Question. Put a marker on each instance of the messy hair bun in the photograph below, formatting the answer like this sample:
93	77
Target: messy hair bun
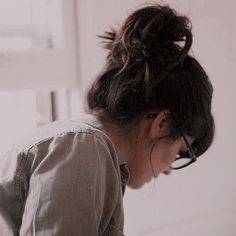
152	34
148	68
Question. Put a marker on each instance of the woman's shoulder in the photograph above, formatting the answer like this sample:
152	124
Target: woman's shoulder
65	129
81	142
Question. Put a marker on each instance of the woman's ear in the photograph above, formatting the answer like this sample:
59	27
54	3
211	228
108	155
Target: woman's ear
160	125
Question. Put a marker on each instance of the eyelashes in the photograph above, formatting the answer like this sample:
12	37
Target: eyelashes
183	154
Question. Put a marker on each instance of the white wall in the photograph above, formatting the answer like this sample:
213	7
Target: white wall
40	68
201	199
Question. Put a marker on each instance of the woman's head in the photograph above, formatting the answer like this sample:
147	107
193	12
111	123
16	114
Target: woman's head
148	70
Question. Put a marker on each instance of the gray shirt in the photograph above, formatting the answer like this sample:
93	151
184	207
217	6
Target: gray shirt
68	179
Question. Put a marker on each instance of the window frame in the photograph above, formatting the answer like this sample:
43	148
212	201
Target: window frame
44	69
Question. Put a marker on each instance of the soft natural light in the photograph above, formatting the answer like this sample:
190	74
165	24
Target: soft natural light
31	24
17	43
18	117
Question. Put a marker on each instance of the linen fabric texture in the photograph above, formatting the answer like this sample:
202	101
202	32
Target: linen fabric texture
68	179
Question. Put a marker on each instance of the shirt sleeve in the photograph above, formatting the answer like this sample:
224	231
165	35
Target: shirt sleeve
13	190
74	188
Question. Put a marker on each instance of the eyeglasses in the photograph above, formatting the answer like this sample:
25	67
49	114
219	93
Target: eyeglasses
186	158
183	159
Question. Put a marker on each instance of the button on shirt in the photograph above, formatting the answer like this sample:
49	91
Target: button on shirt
68	179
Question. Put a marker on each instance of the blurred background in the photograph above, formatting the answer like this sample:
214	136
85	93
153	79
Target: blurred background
50	53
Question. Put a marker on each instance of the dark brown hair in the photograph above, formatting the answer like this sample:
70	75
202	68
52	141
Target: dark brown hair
148	68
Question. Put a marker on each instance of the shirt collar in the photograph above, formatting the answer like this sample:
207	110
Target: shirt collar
122	163
123	168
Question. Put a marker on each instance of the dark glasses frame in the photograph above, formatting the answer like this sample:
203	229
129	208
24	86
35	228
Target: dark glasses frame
191	155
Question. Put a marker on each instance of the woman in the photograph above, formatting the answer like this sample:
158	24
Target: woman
151	112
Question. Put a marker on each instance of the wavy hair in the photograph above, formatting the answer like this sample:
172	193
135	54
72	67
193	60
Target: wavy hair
148	67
